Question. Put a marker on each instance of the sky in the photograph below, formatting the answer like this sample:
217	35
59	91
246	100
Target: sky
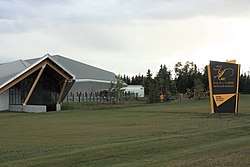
127	36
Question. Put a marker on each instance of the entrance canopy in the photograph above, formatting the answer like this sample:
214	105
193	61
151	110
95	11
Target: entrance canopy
44	82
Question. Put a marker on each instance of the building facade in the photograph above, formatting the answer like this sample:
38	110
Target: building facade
41	84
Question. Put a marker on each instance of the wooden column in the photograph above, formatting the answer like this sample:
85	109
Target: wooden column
62	90
34	85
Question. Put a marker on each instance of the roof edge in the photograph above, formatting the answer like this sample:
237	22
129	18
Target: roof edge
61	66
93	80
96	80
33	65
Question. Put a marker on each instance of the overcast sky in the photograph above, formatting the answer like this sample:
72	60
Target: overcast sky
127	36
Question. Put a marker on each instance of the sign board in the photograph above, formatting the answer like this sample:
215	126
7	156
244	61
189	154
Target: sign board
224	86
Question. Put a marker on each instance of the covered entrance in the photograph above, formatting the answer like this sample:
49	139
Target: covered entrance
46	84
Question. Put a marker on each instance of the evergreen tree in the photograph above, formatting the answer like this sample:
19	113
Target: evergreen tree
148	81
126	79
153	95
164	80
205	78
133	81
243	79
247	85
187	76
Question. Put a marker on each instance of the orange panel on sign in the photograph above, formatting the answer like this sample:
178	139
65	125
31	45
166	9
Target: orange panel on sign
221	98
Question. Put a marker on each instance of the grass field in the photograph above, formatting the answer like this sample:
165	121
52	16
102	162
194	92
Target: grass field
127	135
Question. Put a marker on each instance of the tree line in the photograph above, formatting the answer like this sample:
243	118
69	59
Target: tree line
185	78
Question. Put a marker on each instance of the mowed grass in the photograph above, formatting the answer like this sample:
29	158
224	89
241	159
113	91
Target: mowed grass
127	135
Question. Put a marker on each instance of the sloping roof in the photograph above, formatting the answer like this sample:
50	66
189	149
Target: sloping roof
81	70
84	71
32	61
11	71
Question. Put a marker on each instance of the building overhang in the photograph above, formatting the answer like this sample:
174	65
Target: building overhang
97	81
47	60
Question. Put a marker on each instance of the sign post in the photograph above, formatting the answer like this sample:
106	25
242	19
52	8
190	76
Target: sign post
224	86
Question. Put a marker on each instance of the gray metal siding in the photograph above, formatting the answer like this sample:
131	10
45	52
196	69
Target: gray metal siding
90	86
4	101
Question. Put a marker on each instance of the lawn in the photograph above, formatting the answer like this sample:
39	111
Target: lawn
127	135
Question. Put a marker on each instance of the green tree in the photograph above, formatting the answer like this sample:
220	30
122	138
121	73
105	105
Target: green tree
153	96
148	81
244	86
126	79
205	78
119	85
198	87
185	75
163	79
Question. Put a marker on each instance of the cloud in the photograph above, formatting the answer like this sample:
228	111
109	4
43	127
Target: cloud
21	16
161	9
119	34
18	15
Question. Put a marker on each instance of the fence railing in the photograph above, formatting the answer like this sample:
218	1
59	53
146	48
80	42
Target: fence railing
95	97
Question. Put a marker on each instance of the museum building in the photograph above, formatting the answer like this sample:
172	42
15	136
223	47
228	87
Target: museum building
41	84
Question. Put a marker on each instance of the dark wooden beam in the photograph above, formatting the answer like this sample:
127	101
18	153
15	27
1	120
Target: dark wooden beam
34	85
59	71
20	78
62	90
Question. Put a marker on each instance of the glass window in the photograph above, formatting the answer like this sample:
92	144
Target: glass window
47	90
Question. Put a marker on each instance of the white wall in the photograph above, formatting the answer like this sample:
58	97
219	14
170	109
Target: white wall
139	89
58	107
28	108
17	108
4	101
34	108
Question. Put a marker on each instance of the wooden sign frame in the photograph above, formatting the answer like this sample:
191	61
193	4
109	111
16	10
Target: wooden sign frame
224	86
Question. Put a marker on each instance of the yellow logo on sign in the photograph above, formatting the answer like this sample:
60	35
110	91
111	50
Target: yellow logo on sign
220	76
